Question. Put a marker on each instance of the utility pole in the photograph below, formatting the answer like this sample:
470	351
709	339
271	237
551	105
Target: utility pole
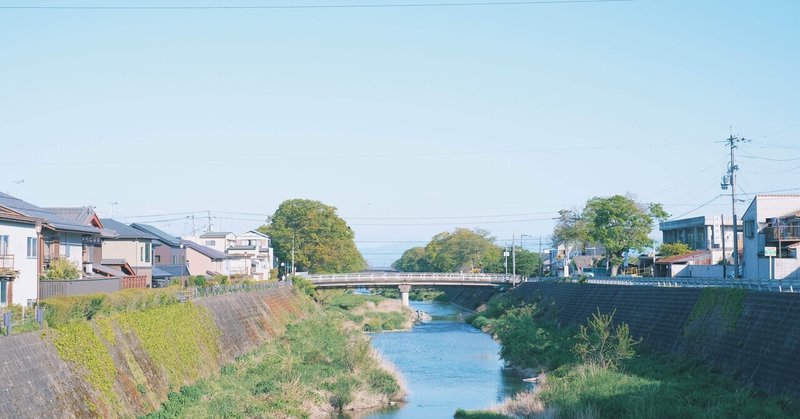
541	261
724	258
513	256
292	254
730	180
209	220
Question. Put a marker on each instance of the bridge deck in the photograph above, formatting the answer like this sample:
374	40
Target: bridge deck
386	279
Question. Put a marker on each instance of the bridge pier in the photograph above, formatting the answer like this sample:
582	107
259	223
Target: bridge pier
404	289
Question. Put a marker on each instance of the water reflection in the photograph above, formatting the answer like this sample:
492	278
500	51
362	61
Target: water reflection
447	365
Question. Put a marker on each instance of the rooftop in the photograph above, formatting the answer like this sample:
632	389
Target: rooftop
50	217
125	231
161	235
215	235
204	250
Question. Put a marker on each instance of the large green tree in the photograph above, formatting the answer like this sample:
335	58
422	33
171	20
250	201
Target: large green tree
323	243
619	223
464	250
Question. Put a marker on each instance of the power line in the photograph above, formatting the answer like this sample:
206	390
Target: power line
340	157
319	6
695	209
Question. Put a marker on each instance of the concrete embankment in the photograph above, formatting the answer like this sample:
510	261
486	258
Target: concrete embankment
469	297
125	365
750	335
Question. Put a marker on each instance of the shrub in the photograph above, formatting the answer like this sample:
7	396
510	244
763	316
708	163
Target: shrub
62	269
305	286
601	345
199	281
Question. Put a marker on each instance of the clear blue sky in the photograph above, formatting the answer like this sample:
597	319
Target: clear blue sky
499	115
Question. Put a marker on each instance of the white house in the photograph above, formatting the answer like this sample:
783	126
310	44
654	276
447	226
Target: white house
217	240
772	221
19	258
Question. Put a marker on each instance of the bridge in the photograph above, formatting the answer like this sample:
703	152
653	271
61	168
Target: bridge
404	280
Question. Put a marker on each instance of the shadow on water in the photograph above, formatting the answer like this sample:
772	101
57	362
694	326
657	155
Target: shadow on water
447	364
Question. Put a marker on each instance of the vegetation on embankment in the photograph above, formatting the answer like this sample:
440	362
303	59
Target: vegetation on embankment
645	385
315	369
321	365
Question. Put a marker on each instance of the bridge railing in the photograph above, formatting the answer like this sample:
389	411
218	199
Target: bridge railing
414	277
774	285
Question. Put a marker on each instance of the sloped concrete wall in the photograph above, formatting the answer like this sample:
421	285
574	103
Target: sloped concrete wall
37	383
762	350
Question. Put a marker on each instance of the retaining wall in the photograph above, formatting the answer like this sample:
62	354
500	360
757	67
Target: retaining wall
37	383
762	347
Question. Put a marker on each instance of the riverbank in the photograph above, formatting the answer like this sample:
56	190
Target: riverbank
320	367
645	385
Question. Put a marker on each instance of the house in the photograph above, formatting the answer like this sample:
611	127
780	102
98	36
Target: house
130	245
59	237
19	258
249	253
772	221
257	247
169	255
203	260
684	265
92	249
702	233
219	241
167	249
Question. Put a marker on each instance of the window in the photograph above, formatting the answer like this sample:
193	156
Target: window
174	259
211	242
147	252
32	247
157	258
3	245
749	229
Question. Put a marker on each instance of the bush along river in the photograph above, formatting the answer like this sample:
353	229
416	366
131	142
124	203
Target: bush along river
447	364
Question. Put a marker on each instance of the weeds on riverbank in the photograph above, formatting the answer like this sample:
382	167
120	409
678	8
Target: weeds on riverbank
370	313
644	385
316	368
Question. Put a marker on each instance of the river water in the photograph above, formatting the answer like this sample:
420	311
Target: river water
447	364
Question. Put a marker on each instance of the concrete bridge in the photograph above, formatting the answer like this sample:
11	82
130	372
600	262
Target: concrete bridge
405	280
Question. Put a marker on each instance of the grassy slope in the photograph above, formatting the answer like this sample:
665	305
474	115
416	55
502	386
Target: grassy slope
315	368
648	386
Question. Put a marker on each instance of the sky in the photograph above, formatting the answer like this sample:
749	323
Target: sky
410	120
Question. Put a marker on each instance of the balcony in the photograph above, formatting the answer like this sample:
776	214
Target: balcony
786	231
7	272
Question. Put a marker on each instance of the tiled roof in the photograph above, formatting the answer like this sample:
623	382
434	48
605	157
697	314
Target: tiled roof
160	273
206	251
173	270
125	231
684	257
161	235
80	215
51	218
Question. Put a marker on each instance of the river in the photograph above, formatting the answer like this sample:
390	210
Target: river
447	364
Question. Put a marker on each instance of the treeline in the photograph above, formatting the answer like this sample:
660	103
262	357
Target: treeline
465	250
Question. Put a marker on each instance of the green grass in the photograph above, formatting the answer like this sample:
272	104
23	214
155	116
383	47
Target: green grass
352	307
315	361
478	414
650	385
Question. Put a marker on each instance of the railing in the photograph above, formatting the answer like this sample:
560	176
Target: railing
7	262
774	285
786	231
411	277
129	282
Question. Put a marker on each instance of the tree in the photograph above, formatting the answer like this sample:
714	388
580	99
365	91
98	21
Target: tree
413	260
459	251
322	241
619	223
672	249
528	263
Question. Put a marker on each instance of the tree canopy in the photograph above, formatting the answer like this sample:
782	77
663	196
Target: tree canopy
619	223
464	250
672	249
323	243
